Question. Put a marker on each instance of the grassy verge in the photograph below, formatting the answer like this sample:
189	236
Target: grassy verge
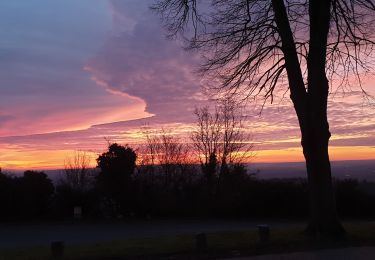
220	244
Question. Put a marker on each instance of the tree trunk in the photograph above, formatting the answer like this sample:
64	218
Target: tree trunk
324	220
311	110
323	216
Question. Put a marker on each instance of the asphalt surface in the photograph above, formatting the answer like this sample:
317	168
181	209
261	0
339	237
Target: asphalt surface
27	235
351	253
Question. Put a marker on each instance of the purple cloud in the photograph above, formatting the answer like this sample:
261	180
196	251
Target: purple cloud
140	62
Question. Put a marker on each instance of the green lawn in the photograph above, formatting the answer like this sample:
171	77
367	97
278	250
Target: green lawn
219	244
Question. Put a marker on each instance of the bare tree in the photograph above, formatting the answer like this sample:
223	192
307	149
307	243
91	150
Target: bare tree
206	138
207	133
147	156
165	150
148	150
236	143
77	171
252	45
219	138
170	150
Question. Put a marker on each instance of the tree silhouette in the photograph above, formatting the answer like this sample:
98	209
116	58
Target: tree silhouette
207	135
36	190
252	45
118	161
220	134
117	167
166	152
77	173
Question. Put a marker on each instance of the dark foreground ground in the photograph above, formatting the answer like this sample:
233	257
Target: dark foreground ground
27	235
234	239
350	253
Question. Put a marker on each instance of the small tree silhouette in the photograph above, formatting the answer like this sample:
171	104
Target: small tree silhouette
77	171
37	190
117	167
220	135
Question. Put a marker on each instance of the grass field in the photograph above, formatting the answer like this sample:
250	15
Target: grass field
221	244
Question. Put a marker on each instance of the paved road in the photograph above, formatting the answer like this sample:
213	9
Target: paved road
12	236
351	253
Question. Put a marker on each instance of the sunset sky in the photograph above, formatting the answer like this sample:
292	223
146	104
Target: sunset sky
75	74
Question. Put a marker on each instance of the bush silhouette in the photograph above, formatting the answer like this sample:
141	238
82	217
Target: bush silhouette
117	166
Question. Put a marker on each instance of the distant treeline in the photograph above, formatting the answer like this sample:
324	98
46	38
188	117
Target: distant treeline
122	189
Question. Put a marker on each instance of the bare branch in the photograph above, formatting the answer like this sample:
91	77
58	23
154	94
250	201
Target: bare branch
241	46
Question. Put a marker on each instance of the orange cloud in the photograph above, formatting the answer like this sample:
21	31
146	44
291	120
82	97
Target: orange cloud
13	159
337	153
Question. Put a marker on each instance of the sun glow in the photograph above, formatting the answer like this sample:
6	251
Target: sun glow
54	159
38	160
